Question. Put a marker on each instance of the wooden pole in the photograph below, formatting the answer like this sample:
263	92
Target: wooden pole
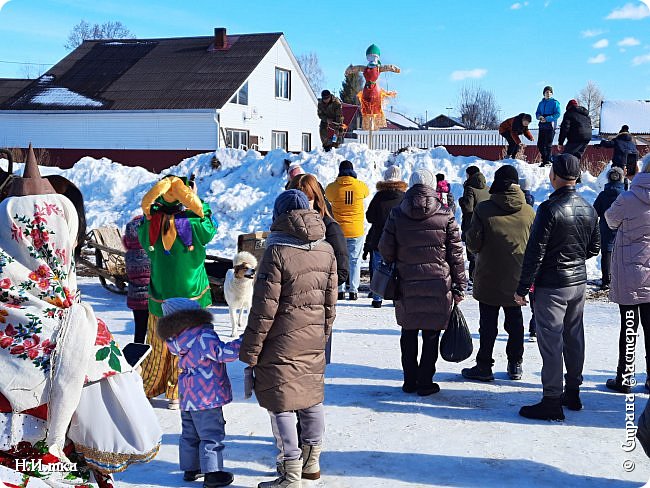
372	125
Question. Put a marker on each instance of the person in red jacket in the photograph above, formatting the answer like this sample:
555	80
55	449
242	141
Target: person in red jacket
510	129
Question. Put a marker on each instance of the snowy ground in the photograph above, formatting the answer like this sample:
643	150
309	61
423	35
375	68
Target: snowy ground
468	435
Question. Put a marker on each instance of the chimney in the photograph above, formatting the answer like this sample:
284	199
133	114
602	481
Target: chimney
220	38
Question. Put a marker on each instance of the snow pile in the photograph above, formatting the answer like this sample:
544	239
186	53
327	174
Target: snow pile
242	191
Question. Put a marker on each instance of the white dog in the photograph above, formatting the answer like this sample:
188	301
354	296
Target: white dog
238	288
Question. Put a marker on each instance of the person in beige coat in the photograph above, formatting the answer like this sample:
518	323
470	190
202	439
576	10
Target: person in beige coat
294	307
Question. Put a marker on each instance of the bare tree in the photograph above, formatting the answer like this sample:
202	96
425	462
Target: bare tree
591	98
314	73
31	71
83	31
478	108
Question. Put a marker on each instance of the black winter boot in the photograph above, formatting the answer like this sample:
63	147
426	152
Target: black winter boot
192	475
616	384
478	372
217	479
548	409
409	388
571	399
341	295
428	389
515	370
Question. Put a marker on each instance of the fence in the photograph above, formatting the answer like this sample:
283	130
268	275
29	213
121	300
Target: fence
485	144
393	140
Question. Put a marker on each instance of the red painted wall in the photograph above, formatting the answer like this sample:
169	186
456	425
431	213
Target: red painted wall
152	160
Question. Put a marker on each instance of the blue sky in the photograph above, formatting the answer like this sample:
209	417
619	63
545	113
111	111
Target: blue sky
512	48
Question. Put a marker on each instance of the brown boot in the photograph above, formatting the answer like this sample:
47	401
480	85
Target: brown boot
311	462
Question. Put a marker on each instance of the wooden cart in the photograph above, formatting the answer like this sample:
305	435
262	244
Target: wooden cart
109	266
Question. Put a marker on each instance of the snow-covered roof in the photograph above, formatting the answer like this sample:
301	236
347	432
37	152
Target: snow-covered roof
401	120
147	74
453	127
633	113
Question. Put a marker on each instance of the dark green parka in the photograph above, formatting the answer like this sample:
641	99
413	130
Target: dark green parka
498	235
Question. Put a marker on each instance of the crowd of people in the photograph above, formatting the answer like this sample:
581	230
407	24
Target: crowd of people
313	257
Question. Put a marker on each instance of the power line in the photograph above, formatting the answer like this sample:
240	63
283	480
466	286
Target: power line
33	64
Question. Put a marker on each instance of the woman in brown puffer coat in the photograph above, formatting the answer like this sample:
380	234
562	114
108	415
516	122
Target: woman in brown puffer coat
423	239
294	306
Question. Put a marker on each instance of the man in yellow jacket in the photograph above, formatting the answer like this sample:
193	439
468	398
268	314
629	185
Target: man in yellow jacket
346	195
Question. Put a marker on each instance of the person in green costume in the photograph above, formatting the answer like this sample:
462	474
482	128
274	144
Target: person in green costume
174	233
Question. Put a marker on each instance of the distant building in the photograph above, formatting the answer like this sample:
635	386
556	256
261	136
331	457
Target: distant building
445	122
397	121
152	102
633	113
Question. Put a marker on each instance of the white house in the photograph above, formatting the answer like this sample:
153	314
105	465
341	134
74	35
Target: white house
151	102
633	113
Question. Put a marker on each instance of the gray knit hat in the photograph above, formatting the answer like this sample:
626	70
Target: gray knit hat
393	173
422	176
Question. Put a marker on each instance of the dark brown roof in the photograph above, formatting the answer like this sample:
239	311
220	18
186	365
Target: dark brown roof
10	86
146	74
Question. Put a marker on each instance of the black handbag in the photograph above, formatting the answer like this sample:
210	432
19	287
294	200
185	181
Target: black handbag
456	342
384	281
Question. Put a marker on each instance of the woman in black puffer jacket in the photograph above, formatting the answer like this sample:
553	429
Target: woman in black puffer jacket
422	238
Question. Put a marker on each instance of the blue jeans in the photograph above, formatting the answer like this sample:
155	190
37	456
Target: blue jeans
375	261
200	445
355	249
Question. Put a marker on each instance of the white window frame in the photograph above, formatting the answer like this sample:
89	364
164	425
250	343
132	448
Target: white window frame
277	137
307	136
282	83
238	97
240	135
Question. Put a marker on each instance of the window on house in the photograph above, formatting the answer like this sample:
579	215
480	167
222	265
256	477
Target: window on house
241	97
306	142
237	138
279	140
282	83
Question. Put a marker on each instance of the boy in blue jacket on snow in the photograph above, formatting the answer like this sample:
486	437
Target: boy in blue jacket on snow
547	113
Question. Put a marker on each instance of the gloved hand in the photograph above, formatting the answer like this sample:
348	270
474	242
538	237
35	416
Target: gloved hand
249	382
364	256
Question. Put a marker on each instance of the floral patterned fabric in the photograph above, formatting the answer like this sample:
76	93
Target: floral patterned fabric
37	286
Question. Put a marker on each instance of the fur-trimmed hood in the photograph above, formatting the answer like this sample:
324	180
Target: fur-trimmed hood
392	186
175	323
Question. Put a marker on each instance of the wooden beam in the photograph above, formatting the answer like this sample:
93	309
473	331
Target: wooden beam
101	247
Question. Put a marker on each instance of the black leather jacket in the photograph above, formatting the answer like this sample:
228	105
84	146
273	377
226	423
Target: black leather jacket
564	235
